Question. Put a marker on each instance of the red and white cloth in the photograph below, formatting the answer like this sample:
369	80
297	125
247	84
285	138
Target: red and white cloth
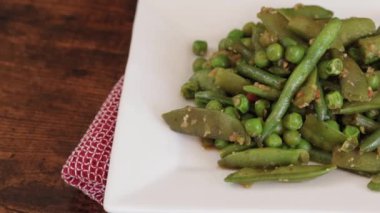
87	166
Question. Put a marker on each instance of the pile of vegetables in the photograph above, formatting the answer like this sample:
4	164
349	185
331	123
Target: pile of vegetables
299	85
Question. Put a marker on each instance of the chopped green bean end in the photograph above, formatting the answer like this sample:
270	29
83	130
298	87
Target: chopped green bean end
351	131
334	100
241	102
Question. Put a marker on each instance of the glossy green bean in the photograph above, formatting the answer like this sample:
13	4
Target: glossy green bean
231	148
263	91
207	124
285	174
282	72
300	74
259	75
264	157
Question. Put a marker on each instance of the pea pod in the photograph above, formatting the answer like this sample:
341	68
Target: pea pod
320	134
367	162
311	11
206	96
370	49
298	173
371	143
207	124
353	81
277	24
359	107
234	148
257	30
374	185
308	92
206	81
366	124
264	157
300	74
261	76
262	91
306	27
320	156
229	81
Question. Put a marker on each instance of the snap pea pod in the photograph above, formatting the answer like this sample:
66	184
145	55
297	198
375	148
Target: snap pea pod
374	185
320	104
306	27
205	81
206	96
247	176
311	11
320	156
367	162
371	143
366	124
370	49
263	91
300	74
257	30
320	134
265	157
234	148
229	81
277	24
308	92
359	107
207	124
259	75
353	82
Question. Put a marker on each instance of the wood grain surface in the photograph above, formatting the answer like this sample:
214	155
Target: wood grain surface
58	61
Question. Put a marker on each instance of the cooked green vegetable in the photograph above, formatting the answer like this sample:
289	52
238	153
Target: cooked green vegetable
359	107
260	58
320	156
308	91
254	126
221	61
332	124
320	104
374	185
241	103
275	52
229	81
273	141
292	138
311	11
189	89
198	64
200	48
334	100
365	124
371	143
235	34
232	111
370	48
261	76
233	147
206	96
351	131
265	157
220	144
294	53
262	91
367	162
247	29
261	108
214	105
292	121
304	144
331	67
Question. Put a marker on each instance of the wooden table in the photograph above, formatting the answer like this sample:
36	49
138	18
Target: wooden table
58	61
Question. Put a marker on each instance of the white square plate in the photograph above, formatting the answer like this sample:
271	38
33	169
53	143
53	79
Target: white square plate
154	169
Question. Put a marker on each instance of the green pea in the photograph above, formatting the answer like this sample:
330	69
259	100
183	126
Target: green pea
261	59
220	144
247	42
373	81
214	105
275	52
198	64
261	108
222	44
254	126
292	138
273	140
231	111
294	54
304	144
351	131
189	89
333	124
220	61
241	102
200	48
372	113
235	34
279	129
334	100
292	121
247	29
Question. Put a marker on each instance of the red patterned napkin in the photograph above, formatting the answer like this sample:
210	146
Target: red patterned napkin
87	166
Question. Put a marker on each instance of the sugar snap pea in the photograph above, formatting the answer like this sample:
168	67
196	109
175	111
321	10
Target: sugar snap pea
311	11
371	143
367	162
285	174
265	157
301	72
229	81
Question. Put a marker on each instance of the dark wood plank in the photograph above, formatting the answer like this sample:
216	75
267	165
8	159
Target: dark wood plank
58	61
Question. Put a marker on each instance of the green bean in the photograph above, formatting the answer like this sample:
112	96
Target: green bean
277	24
200	47
273	141
247	176
189	89
353	82
320	104
229	81
233	147
214	105
371	143
334	100
320	134
374	184
282	72
292	121
265	157
206	123
308	91
367	162
220	144
275	52
207	96
332	67
311	11
263	91
259	75
241	103
261	108
300	74
320	156
247	29
359	107
370	48
366	124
